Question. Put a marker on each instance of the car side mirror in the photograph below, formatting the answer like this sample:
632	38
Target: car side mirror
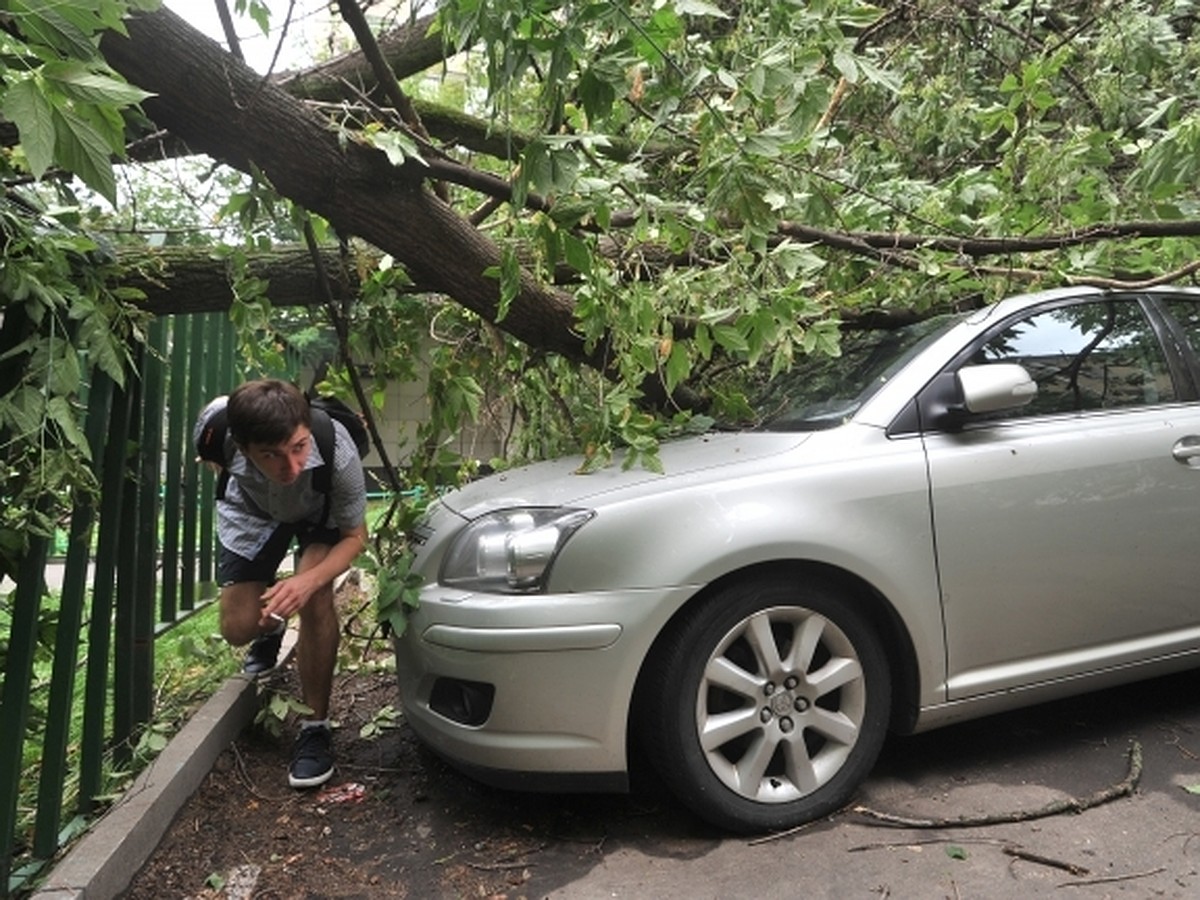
995	387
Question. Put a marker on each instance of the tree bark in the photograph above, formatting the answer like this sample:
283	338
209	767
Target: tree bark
223	108
181	280
409	49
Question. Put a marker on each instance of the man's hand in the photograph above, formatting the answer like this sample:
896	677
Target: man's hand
285	598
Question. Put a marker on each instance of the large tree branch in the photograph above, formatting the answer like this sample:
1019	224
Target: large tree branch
222	108
408	50
191	280
976	247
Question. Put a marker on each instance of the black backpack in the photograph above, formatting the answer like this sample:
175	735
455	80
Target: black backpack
211	444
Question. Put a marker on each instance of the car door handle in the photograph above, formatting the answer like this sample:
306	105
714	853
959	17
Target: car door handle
1186	449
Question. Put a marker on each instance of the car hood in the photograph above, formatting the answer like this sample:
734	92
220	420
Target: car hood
560	483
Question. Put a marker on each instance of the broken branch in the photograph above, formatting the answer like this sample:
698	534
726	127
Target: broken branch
1123	788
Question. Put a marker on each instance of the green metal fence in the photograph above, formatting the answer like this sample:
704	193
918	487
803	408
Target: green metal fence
136	562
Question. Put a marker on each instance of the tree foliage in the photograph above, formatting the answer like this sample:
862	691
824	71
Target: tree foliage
610	215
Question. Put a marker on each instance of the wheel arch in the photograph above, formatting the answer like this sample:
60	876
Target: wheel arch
881	615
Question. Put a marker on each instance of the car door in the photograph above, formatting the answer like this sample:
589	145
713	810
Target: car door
1066	529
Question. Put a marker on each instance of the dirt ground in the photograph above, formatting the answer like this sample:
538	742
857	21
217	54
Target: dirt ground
394	821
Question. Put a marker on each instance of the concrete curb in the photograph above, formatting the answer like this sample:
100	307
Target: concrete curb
103	864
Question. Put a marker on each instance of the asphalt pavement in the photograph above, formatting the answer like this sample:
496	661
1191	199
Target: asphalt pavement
1129	758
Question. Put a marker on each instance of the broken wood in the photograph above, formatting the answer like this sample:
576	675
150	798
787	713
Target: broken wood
1123	788
1109	879
1018	853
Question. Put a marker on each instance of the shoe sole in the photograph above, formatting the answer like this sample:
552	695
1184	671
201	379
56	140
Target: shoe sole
312	781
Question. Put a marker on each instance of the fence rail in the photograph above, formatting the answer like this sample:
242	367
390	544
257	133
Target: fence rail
138	560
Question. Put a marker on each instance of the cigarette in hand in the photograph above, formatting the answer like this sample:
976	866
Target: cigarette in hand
277	617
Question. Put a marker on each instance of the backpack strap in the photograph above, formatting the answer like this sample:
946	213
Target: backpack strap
324	435
210	446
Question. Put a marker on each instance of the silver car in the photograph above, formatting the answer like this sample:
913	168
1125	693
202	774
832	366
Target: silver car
967	515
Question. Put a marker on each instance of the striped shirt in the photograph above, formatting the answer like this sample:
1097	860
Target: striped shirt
253	504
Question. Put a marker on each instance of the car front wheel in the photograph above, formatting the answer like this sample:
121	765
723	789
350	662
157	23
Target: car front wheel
767	707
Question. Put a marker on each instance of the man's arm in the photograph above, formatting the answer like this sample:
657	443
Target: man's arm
286	597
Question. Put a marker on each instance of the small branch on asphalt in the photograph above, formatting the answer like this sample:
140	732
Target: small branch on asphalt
1017	853
1123	788
1109	879
899	845
789	832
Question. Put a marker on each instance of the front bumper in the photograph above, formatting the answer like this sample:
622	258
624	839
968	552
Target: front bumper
529	691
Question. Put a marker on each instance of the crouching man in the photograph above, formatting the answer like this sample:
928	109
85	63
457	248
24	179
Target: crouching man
270	501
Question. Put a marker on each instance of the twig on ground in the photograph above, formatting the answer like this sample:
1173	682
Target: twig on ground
1017	853
895	845
1006	846
499	867
765	839
243	775
1109	879
1178	745
1123	788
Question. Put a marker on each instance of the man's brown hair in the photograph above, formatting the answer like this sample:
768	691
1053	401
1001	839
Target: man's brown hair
266	411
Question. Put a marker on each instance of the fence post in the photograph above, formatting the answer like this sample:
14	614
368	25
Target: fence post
178	437
149	475
70	622
112	489
188	569
125	668
14	698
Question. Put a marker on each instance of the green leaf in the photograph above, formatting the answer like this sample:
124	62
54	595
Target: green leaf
578	253
86	85
27	108
61	413
399	146
40	22
730	338
1192	788
678	366
24	410
81	149
597	95
258	11
955	852
104	348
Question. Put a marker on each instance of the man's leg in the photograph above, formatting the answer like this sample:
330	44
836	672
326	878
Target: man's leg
241	608
243	582
316	657
317	645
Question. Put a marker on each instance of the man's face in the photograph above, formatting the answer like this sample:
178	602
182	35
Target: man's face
282	463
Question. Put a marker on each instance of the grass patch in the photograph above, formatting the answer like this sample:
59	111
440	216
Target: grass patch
190	662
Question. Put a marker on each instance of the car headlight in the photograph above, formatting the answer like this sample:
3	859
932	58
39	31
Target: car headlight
510	551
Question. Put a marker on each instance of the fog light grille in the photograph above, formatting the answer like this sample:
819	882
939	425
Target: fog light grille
465	702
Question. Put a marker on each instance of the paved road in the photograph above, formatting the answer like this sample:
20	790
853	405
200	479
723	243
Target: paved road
1144	845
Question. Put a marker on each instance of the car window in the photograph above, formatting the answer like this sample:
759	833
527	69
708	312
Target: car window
1187	313
825	391
1085	356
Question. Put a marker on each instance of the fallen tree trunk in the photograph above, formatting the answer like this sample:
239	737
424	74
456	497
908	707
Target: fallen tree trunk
221	107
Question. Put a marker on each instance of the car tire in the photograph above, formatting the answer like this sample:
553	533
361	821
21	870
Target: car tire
767	706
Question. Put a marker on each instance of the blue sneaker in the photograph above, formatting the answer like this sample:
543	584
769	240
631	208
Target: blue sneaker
263	653
312	757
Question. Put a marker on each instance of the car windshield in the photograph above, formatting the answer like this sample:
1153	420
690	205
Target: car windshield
825	391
